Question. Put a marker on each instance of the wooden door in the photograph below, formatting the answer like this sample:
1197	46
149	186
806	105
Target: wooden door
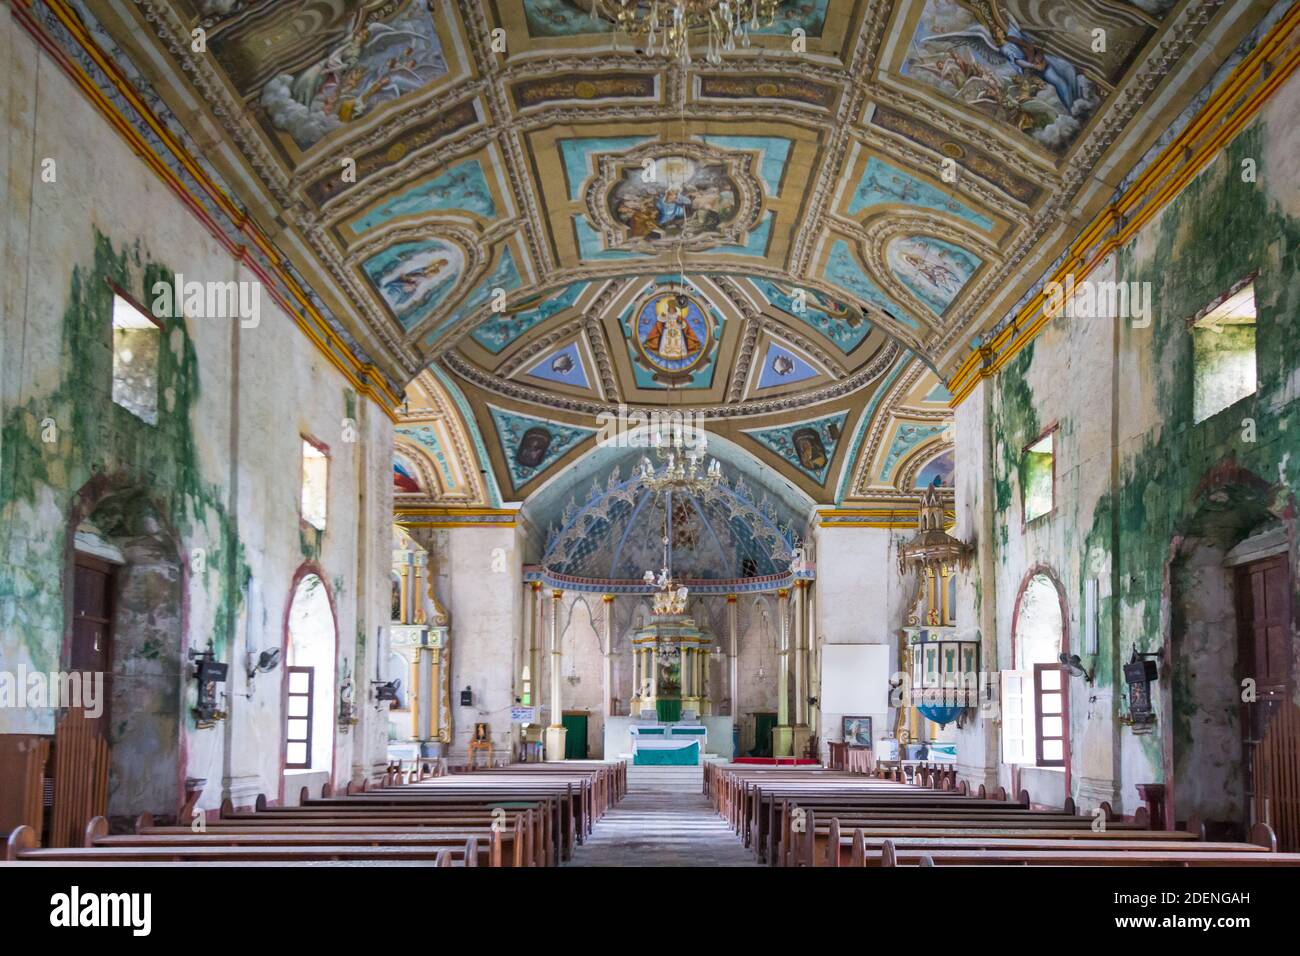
575	741
1270	725
92	633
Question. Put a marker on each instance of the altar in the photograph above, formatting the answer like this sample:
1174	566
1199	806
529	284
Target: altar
670	669
668	744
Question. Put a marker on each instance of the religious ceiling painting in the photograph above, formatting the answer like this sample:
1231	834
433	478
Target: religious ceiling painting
908	439
934	270
349	59
809	445
531	445
414	277
674	196
1034	66
564	366
938	471
405	480
783	365
673	336
499	331
463	188
574	18
840	322
503	277
845	270
884	185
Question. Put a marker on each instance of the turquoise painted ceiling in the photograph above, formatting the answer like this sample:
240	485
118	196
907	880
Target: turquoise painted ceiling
561	224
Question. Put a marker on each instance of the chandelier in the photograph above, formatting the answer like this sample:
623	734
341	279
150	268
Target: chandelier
666	24
681	469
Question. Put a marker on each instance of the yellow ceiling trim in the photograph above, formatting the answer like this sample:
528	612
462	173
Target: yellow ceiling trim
364	377
1225	106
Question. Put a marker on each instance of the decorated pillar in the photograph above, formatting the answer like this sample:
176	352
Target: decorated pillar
783	735
608	601
802	733
555	732
800	648
732	651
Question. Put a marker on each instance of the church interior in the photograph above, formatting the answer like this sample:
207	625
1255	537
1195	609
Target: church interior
631	433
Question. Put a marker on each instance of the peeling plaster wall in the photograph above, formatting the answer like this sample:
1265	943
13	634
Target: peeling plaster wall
1136	480
221	466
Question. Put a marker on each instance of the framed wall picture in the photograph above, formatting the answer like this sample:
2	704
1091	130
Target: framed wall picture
857	731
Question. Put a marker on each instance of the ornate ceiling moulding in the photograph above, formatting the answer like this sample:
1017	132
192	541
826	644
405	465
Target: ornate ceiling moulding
939	271
830	171
557	279
993	182
880	363
880	421
1164	51
770	319
673	197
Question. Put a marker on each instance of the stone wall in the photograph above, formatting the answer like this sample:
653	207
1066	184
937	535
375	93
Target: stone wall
213	486
1146	496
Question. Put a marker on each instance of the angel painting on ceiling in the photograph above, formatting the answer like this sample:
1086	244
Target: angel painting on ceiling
382	57
981	55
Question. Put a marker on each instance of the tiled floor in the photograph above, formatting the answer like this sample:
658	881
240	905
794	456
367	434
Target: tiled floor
662	829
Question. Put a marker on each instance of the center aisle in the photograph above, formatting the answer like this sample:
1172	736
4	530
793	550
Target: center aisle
660	828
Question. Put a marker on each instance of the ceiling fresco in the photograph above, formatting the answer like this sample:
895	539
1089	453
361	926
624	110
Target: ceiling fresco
792	243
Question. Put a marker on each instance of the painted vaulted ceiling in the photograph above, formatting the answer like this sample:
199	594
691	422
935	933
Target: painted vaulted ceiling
806	239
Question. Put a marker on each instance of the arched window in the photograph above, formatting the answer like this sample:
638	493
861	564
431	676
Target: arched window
312	677
1035	721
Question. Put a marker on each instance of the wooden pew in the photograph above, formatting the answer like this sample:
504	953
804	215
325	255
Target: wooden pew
22	847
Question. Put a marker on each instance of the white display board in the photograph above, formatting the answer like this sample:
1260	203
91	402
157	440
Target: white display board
855	678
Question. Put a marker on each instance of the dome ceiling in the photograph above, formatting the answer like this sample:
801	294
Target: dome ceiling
511	194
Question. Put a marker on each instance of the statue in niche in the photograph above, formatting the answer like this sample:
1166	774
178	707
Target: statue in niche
533	447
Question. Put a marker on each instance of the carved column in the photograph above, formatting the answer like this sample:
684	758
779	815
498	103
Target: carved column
732	651
783	737
609	655
555	732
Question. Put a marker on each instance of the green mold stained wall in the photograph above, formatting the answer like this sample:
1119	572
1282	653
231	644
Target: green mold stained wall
71	433
1218	231
1215	233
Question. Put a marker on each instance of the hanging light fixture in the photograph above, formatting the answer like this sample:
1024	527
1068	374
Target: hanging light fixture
664	26
669	599
680	465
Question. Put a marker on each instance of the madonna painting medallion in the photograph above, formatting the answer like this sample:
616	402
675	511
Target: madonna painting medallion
674	196
672	336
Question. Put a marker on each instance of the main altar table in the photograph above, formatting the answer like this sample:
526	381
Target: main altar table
667	745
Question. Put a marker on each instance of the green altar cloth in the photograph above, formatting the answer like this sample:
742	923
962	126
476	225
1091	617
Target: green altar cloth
668	711
687	756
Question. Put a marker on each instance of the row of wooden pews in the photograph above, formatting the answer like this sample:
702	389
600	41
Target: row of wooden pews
514	816
816	817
